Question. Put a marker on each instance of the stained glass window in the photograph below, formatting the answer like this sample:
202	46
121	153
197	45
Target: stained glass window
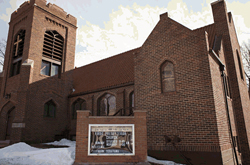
107	105
167	77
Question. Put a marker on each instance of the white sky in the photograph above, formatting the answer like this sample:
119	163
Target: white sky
109	27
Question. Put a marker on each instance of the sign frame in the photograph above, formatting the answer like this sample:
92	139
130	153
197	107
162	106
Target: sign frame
121	154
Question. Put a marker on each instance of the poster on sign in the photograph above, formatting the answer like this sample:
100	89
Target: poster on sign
111	139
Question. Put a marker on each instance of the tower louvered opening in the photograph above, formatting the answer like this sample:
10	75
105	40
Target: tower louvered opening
52	53
53	45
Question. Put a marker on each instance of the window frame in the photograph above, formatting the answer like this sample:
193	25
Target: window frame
46	112
50	68
240	66
52	53
132	99
228	87
17	53
83	106
131	102
161	76
99	113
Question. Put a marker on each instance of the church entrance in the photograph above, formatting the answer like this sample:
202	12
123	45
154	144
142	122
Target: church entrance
10	118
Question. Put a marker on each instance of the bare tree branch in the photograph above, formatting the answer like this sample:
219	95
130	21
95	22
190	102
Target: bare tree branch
245	52
2	51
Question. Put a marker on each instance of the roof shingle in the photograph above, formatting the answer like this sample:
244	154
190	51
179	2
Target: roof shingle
109	72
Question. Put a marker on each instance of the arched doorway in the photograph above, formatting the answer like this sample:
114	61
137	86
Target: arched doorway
6	118
9	118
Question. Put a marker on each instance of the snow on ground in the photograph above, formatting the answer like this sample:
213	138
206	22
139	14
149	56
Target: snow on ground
63	142
23	154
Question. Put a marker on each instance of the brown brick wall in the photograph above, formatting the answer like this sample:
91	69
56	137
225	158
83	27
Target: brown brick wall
83	121
188	112
221	114
39	93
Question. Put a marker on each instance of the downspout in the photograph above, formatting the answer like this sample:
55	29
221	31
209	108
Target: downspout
222	69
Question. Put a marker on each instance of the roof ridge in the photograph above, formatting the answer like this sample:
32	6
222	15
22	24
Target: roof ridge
203	27
109	57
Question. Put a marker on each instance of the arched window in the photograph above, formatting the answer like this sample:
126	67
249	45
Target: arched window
10	118
106	105
131	102
52	53
17	53
79	104
50	109
240	67
167	77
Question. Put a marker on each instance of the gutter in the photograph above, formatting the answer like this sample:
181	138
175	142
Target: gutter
101	89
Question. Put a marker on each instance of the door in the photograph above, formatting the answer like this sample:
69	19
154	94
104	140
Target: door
10	118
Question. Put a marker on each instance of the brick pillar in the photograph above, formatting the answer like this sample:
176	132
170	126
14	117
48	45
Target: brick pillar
224	26
19	121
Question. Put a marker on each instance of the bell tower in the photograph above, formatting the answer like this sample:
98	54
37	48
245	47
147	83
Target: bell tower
40	45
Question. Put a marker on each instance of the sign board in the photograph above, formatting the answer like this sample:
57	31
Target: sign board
111	139
18	125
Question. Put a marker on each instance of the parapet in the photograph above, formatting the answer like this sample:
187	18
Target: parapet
218	1
42	4
164	15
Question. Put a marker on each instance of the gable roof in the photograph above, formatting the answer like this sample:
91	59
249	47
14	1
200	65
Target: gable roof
113	71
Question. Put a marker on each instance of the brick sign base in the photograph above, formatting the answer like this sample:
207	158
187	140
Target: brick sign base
140	138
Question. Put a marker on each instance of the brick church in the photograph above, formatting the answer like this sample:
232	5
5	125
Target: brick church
191	83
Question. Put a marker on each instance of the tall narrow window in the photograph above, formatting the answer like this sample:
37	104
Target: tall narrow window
17	53
50	109
52	53
79	104
131	102
107	105
240	67
167	77
228	87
